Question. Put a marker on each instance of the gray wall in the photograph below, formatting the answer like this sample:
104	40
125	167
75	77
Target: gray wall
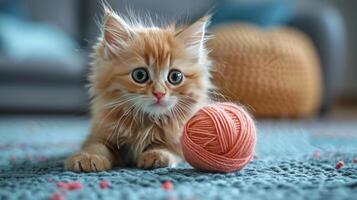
348	9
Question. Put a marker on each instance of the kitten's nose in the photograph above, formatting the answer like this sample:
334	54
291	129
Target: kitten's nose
158	95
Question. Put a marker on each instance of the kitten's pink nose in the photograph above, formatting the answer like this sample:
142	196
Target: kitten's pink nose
158	95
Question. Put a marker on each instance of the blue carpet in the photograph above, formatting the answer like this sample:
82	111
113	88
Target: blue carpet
32	151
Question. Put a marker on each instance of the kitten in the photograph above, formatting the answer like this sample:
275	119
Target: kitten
145	83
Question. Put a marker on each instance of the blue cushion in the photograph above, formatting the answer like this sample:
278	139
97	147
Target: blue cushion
21	40
263	13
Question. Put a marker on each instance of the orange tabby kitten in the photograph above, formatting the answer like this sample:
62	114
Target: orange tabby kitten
146	82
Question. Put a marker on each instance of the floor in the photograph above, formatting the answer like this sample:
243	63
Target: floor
294	160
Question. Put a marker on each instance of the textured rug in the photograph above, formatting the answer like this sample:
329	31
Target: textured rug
295	160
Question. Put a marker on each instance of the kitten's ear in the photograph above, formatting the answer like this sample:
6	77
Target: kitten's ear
193	36
116	32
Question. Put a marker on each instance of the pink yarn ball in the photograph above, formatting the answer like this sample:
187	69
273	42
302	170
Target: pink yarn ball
219	138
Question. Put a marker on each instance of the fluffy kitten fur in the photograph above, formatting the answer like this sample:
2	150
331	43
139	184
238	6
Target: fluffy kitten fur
129	126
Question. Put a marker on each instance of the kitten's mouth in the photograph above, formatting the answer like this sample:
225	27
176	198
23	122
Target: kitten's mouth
160	104
158	108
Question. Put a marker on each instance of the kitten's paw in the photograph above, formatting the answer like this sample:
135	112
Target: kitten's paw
85	162
156	158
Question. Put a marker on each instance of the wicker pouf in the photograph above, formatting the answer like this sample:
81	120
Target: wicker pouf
275	72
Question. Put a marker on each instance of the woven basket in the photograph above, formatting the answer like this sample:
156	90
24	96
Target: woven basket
275	73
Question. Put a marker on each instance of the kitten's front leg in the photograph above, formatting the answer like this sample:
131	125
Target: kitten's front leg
157	157
93	157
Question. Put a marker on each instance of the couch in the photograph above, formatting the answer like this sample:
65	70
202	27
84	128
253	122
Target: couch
58	85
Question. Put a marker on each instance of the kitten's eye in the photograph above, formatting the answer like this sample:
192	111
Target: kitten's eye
175	77
140	75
